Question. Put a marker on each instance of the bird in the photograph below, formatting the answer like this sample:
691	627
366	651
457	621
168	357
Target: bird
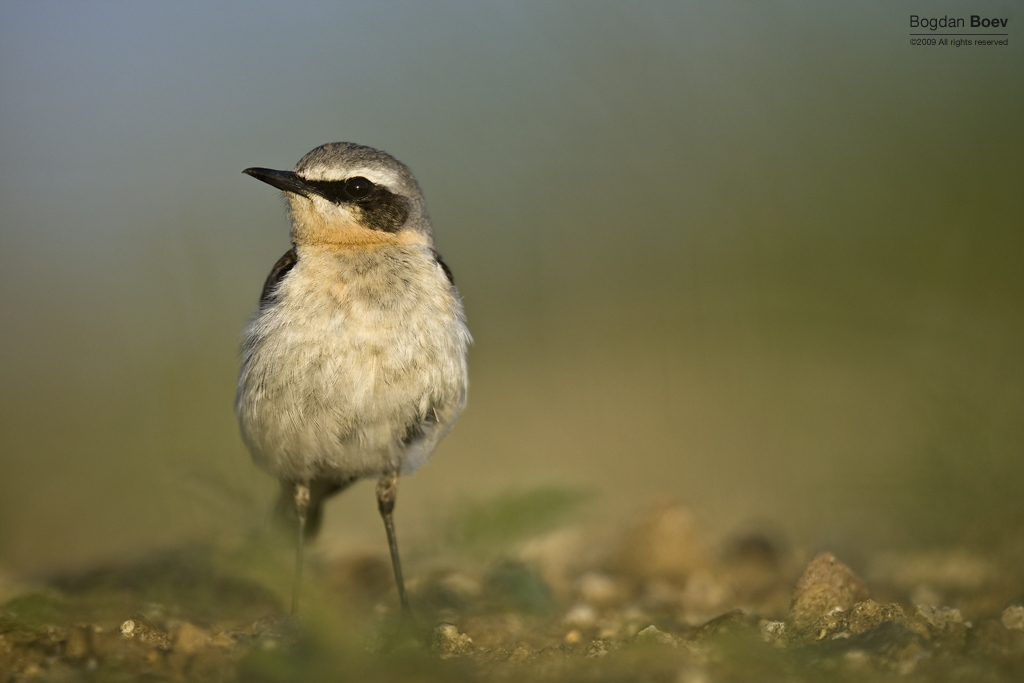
354	364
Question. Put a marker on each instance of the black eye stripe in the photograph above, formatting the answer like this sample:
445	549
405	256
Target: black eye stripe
379	208
339	191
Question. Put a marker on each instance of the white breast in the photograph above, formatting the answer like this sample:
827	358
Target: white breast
357	368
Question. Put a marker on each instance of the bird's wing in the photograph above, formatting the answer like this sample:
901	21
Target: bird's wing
277	273
444	266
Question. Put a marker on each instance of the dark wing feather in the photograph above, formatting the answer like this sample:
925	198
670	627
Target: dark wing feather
444	266
277	273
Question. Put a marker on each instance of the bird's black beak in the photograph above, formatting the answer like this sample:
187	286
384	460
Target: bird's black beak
282	180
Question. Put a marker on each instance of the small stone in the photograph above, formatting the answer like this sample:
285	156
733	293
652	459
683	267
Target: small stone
190	639
863	617
938	617
580	616
520	654
774	632
946	624
1013	618
651	634
667	543
826	585
599	589
597	649
139	628
868	614
448	642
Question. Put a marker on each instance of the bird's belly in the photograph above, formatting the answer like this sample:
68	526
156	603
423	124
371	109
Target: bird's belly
337	395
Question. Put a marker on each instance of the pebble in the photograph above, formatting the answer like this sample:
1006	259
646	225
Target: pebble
190	639
580	616
520	654
449	642
667	543
826	585
938	617
774	632
651	634
1013	618
599	589
139	628
868	614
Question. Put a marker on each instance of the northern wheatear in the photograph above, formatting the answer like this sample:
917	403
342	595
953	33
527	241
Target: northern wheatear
355	363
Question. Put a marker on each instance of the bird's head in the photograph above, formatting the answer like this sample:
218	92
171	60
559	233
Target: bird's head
344	195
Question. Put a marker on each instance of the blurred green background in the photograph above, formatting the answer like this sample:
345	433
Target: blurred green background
762	258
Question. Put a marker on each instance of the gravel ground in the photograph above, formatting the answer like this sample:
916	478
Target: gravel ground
656	603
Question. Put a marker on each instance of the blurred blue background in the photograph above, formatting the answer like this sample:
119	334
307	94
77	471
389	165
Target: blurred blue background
763	258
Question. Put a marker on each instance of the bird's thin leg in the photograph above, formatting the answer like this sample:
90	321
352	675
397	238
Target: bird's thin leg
301	508
387	490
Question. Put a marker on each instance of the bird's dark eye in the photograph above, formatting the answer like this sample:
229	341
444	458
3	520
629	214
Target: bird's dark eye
358	187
